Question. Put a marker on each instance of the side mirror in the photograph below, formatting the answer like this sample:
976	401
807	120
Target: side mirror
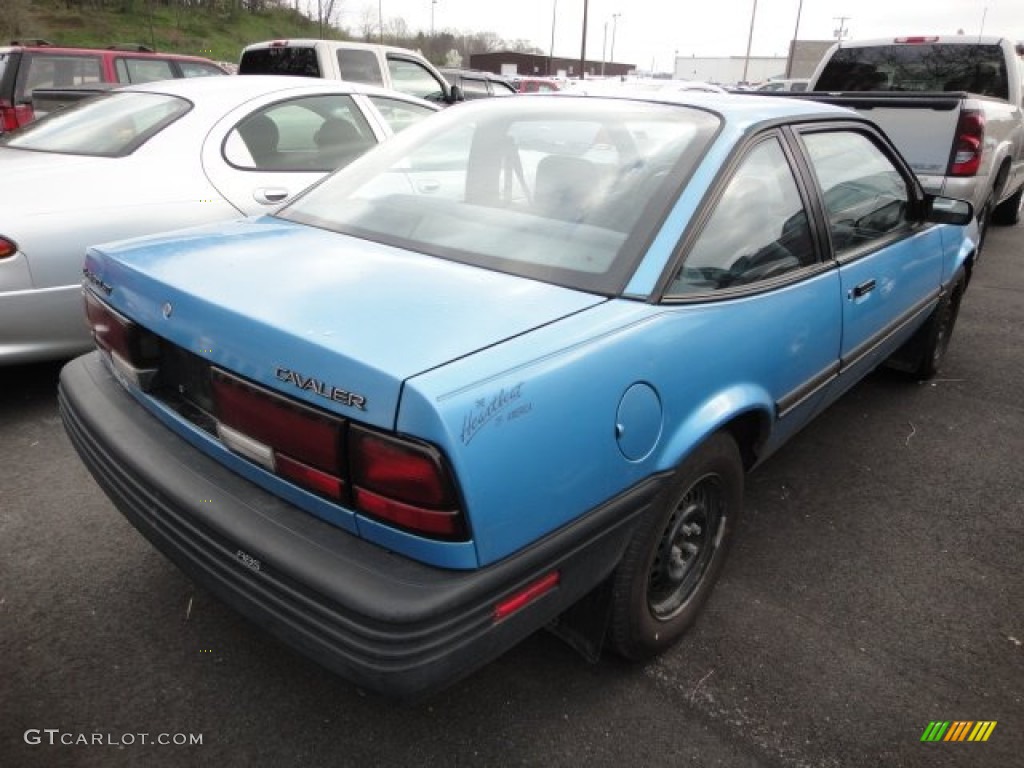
946	210
456	95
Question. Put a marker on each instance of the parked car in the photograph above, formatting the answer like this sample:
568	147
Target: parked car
160	156
954	105
643	85
387	66
31	64
785	84
476	84
403	423
537	85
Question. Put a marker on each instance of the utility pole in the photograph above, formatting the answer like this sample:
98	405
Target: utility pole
604	47
750	39
792	45
551	50
841	30
583	45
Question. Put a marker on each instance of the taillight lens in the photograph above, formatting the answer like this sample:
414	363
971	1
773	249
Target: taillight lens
968	145
7	248
405	483
134	348
12	117
401	482
293	440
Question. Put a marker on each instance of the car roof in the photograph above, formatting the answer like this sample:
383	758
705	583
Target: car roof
923	40
288	42
242	87
110	50
740	109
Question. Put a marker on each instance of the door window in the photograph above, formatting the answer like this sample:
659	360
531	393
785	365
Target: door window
413	78
399	114
865	195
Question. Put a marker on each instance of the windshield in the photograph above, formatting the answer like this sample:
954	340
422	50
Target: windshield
110	125
565	190
921	67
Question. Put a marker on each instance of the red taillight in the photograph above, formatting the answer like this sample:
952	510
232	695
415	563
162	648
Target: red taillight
524	597
7	248
400	482
296	442
916	40
403	482
968	145
12	117
399	469
134	345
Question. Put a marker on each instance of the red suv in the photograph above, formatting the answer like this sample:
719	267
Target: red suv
30	64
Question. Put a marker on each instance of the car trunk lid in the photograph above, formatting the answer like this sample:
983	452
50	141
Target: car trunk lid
333	320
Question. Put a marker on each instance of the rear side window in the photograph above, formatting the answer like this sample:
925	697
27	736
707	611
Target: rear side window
131	70
111	125
291	60
51	71
978	69
359	66
310	134
5	58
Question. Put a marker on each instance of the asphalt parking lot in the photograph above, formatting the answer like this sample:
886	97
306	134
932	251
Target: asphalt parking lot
876	585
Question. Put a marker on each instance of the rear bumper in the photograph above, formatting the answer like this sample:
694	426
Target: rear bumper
382	621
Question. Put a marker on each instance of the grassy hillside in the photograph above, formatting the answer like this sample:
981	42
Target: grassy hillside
220	36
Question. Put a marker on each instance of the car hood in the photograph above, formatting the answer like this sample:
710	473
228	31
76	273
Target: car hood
315	313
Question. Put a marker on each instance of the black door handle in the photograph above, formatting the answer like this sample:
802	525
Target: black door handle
863	288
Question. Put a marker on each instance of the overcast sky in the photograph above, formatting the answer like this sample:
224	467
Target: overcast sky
654	30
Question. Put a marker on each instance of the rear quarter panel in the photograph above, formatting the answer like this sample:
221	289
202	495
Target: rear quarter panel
531	425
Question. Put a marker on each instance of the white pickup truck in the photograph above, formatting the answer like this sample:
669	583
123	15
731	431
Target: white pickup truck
952	105
399	69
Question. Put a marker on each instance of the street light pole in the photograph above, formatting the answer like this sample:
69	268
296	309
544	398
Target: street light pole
432	4
615	24
380	20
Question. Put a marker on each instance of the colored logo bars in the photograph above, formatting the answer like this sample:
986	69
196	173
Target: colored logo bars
958	730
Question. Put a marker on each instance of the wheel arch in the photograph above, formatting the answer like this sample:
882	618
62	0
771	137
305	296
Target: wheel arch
744	412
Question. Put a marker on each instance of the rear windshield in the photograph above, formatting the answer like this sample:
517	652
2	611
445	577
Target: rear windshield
45	70
569	191
290	60
110	125
978	69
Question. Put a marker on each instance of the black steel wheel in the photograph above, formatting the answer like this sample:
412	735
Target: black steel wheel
677	553
936	334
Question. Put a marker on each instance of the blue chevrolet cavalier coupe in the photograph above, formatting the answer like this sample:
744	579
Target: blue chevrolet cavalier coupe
508	369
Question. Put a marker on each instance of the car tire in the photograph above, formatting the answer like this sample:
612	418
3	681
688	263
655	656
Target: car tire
932	340
1007	213
675	556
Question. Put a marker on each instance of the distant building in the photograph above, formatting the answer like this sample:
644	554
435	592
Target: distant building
538	65
729	69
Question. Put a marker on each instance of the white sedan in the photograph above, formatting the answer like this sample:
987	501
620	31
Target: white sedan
161	156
